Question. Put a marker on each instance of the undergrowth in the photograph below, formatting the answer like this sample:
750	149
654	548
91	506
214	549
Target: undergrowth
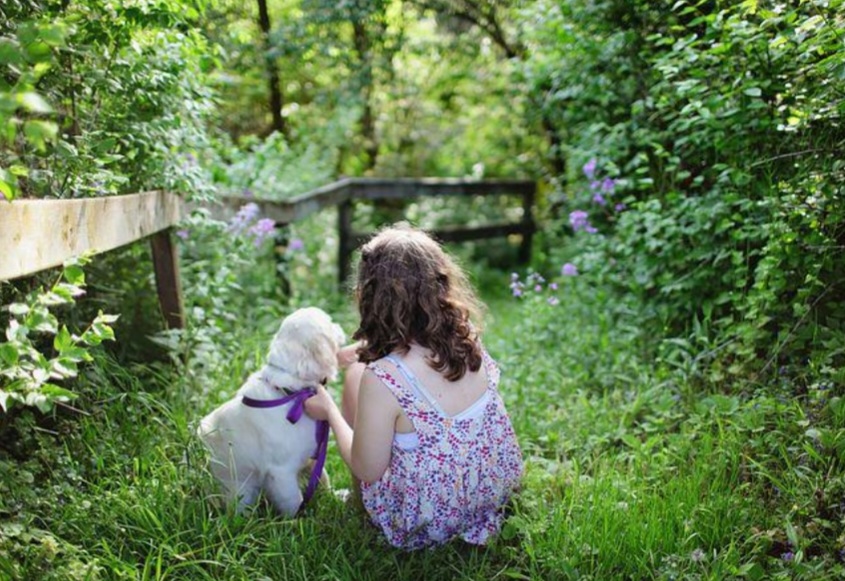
636	469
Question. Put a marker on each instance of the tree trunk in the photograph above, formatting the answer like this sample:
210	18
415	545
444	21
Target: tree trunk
368	126
276	100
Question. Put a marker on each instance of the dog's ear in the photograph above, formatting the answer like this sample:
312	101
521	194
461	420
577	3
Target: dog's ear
320	358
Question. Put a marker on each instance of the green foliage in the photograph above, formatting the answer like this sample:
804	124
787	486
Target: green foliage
29	364
722	123
101	97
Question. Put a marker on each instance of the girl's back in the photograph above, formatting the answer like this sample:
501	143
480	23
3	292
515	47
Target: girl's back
455	458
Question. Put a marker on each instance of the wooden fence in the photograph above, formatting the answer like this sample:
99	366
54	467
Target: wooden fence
40	234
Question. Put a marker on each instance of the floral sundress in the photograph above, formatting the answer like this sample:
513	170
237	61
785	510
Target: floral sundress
453	475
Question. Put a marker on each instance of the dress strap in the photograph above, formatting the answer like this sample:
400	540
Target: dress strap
416	386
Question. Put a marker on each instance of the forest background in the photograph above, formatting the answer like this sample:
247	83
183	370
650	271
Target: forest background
672	355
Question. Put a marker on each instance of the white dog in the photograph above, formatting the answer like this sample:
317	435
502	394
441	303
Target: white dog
258	448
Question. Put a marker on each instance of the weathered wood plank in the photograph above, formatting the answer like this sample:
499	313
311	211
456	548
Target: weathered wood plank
299	207
463	234
40	234
296	208
386	189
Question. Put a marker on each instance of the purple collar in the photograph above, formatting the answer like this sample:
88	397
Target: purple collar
295	412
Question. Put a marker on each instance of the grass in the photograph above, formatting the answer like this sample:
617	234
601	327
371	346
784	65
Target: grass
631	474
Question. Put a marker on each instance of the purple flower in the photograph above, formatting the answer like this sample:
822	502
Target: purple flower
788	556
514	276
599	199
697	556
245	216
595	185
553	286
590	168
608	185
262	229
619	207
578	220
248	193
553	301
569	269
517	292
296	244
538	288
183	234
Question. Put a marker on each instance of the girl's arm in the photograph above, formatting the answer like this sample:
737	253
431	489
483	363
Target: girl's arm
366	450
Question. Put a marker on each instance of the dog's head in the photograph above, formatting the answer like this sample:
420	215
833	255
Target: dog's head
306	345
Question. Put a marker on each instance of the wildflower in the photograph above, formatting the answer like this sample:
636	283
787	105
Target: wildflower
569	269
183	234
697	556
619	207
296	244
245	216
248	193
553	286
608	185
788	556
553	301
590	168
599	199
262	229
578	219
538	288
517	292
514	276
595	185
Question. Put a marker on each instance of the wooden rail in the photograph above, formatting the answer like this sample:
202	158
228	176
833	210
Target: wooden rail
345	193
40	234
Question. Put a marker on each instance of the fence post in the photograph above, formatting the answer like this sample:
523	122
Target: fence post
345	243
168	284
527	223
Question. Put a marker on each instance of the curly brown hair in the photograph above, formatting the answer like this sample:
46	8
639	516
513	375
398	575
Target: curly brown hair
410	290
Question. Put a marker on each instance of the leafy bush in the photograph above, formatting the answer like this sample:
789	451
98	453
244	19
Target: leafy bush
722	124
29	367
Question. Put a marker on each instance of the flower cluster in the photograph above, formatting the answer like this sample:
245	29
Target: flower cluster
601	192
535	285
247	223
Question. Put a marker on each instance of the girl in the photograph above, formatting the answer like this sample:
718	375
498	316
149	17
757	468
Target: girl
423	427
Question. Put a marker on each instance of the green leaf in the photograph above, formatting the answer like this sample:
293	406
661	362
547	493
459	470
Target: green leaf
10	52
39	133
62	340
56	392
6	190
34	103
8	184
9	355
18	309
753	91
74	274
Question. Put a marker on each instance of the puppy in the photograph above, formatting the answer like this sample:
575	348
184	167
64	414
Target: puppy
254	449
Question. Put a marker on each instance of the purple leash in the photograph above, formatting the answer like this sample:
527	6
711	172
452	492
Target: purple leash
295	412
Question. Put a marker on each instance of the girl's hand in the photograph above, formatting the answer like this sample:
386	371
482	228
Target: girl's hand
346	356
318	406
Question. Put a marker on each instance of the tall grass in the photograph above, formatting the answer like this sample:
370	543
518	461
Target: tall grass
631	474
